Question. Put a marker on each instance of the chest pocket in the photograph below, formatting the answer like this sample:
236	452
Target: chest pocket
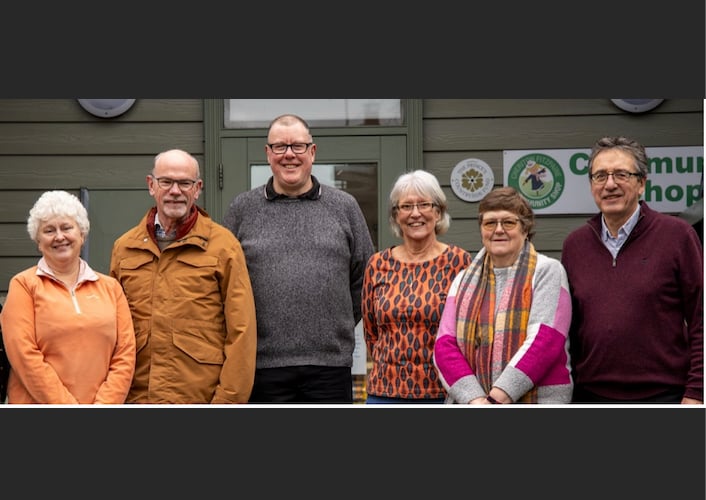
196	276
136	262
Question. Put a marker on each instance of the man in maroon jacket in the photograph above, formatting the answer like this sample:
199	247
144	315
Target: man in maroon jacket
636	279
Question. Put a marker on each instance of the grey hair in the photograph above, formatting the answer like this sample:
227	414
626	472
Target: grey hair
421	183
57	204
629	146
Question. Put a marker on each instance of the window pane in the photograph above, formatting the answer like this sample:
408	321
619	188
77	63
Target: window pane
258	113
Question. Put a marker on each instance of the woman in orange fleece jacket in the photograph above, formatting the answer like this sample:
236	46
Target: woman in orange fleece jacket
67	329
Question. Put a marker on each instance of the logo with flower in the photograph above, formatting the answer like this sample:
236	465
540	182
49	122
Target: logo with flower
472	179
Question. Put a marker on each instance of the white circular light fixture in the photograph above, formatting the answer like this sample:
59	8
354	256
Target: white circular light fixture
637	105
106	108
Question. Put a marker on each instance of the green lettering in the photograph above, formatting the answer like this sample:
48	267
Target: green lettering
674	193
655	166
578	163
680	164
693	193
651	189
689	167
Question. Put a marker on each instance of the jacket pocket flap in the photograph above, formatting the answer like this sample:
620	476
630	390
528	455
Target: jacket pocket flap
198	349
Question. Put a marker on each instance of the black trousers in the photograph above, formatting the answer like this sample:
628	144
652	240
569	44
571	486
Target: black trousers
303	384
671	396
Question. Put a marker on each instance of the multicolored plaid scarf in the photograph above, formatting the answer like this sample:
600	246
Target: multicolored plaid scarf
489	340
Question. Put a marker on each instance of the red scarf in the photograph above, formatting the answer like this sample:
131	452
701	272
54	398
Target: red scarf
182	229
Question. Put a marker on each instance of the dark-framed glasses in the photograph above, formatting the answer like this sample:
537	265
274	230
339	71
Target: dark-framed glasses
507	224
424	206
280	148
167	183
618	176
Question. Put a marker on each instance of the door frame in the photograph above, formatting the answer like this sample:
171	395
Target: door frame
396	150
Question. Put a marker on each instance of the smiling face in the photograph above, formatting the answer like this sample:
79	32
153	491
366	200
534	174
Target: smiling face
59	239
502	243
291	171
506	221
417	217
616	200
174	203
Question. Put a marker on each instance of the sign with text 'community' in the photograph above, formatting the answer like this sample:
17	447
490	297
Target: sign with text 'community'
555	181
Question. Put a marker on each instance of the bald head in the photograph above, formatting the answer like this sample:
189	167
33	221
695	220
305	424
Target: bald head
176	158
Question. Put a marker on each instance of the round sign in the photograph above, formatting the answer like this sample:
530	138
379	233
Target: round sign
472	179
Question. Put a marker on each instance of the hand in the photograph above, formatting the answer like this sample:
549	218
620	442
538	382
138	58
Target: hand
690	401
479	401
500	396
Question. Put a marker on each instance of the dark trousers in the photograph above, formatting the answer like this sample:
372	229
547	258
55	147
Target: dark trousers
672	396
303	384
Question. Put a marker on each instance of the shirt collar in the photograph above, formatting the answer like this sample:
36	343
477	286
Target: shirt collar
625	229
313	194
159	229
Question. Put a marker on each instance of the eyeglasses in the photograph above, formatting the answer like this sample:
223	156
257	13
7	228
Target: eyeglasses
424	206
618	176
507	224
167	183
297	147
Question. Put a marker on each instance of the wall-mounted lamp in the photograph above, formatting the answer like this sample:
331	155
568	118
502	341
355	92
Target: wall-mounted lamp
637	105
106	108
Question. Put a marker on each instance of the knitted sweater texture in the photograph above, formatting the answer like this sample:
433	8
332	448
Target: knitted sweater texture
637	326
306	259
543	359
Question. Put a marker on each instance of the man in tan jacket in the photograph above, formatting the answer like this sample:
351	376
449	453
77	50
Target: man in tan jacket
189	291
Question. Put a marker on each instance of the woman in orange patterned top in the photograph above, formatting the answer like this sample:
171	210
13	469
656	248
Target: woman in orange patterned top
404	290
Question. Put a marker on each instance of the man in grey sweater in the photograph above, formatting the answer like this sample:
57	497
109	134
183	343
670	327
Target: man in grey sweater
306	247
